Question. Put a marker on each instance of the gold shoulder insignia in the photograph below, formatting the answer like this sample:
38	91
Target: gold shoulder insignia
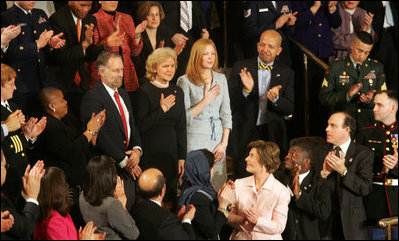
325	83
384	86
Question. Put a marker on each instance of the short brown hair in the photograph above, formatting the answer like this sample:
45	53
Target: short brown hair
269	154
104	57
7	74
54	193
144	9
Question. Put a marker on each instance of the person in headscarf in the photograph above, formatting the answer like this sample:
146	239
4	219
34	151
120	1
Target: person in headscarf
212	207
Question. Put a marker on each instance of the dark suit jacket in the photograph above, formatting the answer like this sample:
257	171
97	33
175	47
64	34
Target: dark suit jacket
354	187
70	58
64	145
245	109
22	54
314	204
24	222
111	139
156	223
15	147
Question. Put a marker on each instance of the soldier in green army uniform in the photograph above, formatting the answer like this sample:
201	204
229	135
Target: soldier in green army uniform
350	83
382	139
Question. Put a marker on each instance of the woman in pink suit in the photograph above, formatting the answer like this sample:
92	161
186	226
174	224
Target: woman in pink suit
260	202
109	20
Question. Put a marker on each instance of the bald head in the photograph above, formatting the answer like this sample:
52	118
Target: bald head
151	183
269	46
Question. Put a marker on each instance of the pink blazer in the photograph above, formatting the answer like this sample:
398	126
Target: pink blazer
56	227
129	49
271	205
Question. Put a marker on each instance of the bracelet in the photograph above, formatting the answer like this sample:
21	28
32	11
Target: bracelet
95	133
248	91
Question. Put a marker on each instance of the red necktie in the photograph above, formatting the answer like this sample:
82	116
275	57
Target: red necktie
77	79
122	116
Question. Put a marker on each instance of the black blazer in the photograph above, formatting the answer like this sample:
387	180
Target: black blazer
70	58
24	222
354	187
111	139
314	204
156	223
63	145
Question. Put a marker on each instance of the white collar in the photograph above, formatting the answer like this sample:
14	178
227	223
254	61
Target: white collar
353	61
109	89
5	103
159	204
303	176
350	11
26	12
260	61
344	147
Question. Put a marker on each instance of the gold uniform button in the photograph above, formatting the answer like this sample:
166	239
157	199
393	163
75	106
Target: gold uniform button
387	140
319	35
124	142
378	173
34	31
320	24
38	60
11	146
373	149
23	154
23	33
359	110
21	47
388	132
19	70
387	148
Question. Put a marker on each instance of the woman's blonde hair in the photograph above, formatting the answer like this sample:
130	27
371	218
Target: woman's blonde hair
157	57
144	9
194	69
269	154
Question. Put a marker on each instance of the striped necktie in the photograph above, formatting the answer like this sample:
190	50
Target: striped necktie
184	16
263	66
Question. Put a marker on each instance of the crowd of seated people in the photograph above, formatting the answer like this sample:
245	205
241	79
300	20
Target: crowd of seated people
120	120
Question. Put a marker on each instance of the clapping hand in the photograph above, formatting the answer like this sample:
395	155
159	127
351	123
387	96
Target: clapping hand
57	42
274	92
88	233
390	161
32	179
33	128
7	221
246	79
119	192
9	33
141	27
367	98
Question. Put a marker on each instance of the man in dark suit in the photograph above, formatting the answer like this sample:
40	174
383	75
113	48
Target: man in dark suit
264	15
350	166
382	139
119	137
187	34
261	93
311	195
155	222
24	221
69	71
28	52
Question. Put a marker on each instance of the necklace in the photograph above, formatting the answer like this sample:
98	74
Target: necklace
160	84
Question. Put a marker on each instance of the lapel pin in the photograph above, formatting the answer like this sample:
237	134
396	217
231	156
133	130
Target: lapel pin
278	75
350	160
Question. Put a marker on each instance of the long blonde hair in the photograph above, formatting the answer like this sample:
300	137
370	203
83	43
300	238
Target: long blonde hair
193	70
